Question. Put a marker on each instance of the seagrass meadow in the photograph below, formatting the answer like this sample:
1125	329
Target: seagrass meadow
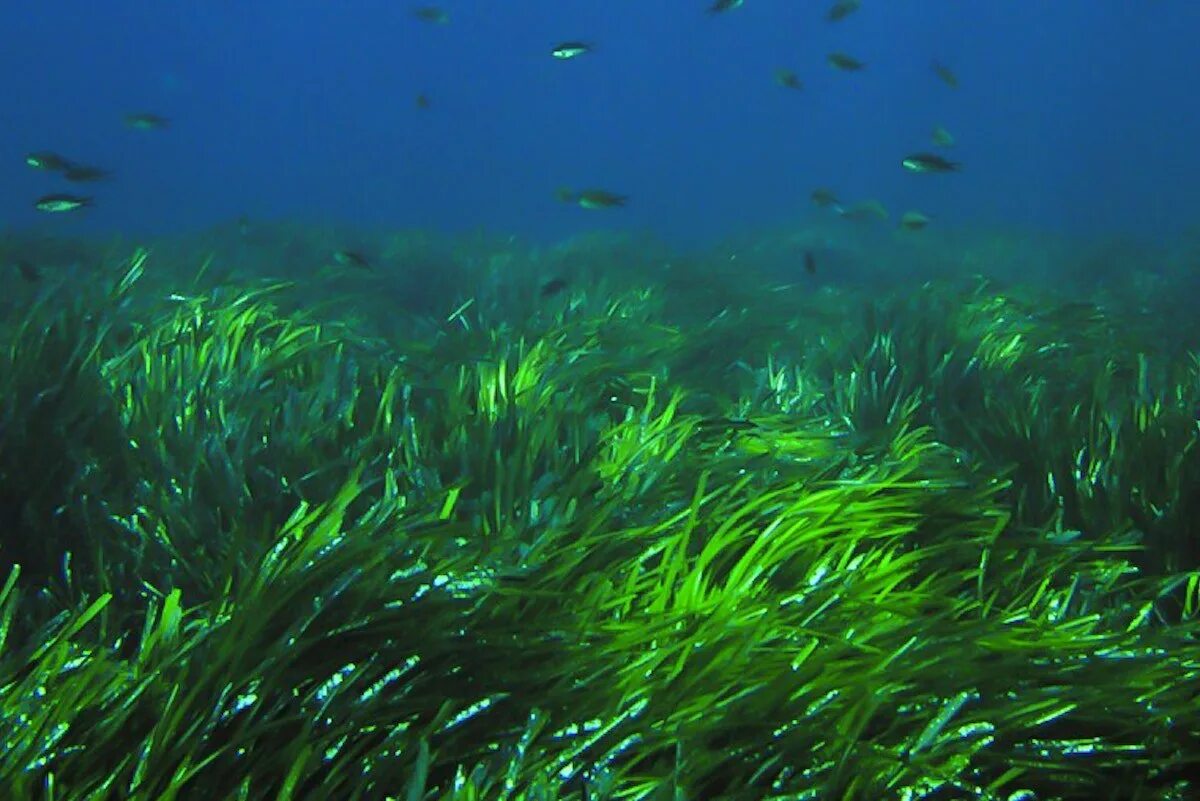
598	521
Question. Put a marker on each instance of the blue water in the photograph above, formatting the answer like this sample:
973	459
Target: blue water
1073	116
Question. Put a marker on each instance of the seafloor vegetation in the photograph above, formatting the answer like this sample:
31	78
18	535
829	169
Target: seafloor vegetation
473	520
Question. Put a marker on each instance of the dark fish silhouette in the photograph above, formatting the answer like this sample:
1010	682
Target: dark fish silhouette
593	198
929	162
941	137
788	79
83	173
146	122
431	14
946	74
553	287
350	258
844	62
721	6
823	197
30	273
842	9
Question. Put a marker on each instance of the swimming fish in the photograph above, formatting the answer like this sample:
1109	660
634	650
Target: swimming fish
59	203
30	273
928	162
945	73
842	9
593	198
941	137
810	263
431	14
552	287
913	220
143	121
823	196
788	79
844	62
82	173
45	160
350	258
569	50
721	6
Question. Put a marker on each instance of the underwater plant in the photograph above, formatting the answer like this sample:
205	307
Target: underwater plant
656	534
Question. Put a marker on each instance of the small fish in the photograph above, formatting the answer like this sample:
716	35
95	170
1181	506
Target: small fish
569	50
431	14
913	221
866	210
61	203
552	287
810	263
788	79
45	160
941	137
243	226
721	6
823	196
423	102
945	73
593	198
82	173
844	62
146	122
928	162
350	258
842	9
30	273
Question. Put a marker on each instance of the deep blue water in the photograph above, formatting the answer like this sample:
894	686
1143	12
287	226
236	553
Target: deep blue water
1076	115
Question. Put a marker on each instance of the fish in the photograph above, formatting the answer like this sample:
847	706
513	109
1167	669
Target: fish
941	137
350	258
928	162
913	220
45	160
569	50
866	210
423	102
59	203
82	173
823	196
810	263
844	62
552	287
788	79
143	121
431	14
30	273
721	6
593	198
842	9
945	73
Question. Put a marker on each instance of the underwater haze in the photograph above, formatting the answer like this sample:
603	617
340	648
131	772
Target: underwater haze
754	400
1076	116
